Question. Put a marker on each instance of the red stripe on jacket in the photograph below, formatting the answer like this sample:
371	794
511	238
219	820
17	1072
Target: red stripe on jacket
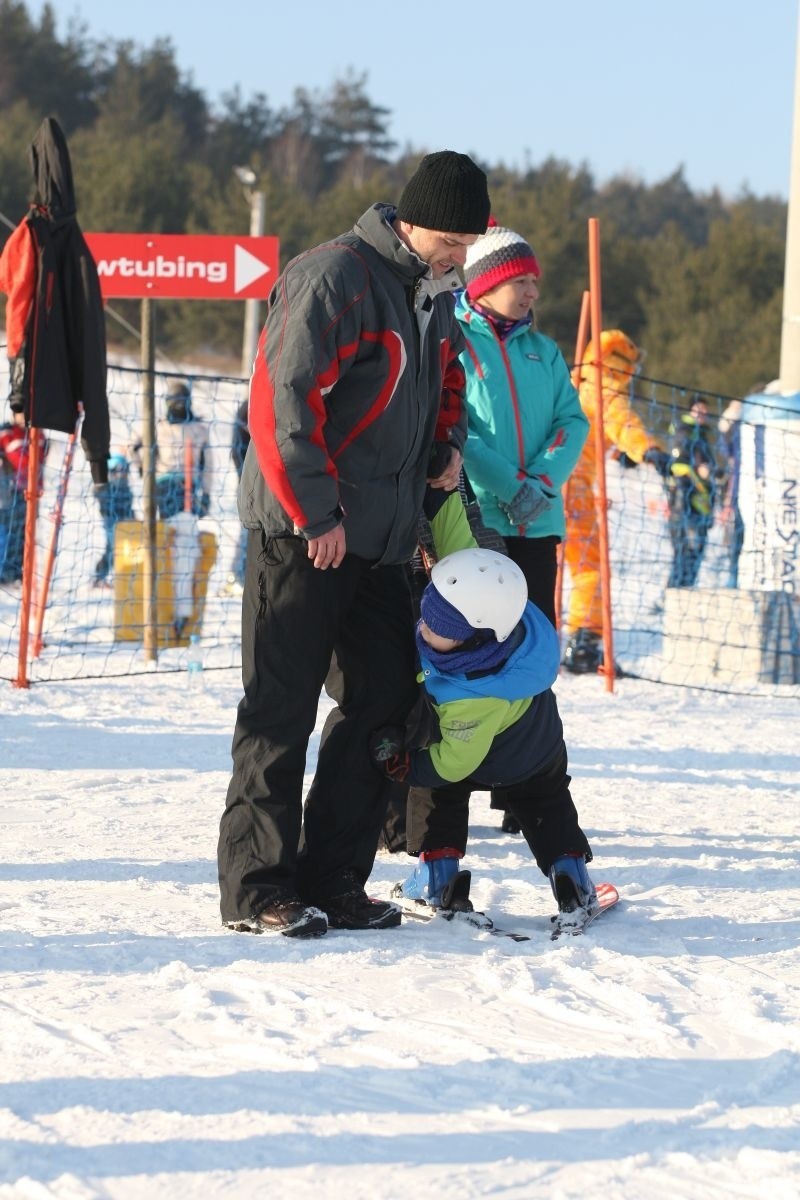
262	420
395	349
454	382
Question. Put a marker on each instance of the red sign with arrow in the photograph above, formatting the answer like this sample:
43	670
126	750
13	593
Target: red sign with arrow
185	266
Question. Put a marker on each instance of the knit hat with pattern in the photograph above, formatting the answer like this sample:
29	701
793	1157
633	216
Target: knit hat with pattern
495	258
448	193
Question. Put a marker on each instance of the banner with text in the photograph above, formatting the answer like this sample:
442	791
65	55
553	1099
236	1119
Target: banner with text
185	266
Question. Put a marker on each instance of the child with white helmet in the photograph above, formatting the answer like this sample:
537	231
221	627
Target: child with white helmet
488	659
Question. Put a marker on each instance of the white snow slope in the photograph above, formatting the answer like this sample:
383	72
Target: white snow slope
146	1052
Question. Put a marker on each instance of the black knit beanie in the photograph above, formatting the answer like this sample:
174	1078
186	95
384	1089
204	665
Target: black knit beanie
448	193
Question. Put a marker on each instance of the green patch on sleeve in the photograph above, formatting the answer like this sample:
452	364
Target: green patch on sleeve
467	729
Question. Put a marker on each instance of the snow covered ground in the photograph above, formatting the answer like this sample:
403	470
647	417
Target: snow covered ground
147	1053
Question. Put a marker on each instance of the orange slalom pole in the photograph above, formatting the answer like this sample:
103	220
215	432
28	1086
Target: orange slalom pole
601	496
582	337
57	519
28	556
580	346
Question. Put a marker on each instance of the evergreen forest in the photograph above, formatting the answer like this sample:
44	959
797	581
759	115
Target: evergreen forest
696	279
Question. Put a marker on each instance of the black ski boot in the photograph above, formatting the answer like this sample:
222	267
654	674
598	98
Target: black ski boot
349	907
583	653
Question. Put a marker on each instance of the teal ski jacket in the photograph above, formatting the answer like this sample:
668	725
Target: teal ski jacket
524	419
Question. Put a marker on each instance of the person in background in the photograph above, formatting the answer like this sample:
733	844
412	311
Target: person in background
624	434
182	454
54	321
356	376
729	427
115	502
691	486
240	440
182	444
488	660
526	427
14	443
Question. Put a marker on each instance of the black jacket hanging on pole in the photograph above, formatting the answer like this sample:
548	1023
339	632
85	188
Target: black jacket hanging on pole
55	323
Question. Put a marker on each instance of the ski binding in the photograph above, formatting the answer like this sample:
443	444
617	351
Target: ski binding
455	906
574	923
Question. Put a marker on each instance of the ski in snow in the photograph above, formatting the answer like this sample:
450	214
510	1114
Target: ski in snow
476	920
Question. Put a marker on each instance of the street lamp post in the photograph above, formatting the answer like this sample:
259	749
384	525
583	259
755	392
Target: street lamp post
258	211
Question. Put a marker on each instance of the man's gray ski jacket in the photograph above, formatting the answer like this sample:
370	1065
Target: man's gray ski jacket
356	375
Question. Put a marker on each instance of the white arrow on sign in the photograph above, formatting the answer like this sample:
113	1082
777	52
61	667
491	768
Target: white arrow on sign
246	268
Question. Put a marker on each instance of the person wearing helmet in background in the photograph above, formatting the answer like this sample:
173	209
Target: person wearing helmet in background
731	519
488	660
182	440
182	457
525	424
240	440
15	439
692	482
625	433
115	501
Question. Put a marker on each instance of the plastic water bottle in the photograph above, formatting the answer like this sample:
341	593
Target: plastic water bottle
194	661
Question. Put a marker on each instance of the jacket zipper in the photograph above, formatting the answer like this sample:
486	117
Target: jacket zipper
515	403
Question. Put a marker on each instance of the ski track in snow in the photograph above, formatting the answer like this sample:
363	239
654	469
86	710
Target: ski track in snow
149	1053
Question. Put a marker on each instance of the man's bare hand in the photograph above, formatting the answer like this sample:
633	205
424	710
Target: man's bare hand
328	549
449	476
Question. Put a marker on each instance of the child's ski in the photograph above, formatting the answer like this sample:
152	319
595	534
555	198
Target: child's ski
476	920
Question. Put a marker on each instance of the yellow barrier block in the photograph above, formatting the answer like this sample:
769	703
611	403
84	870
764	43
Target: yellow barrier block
129	584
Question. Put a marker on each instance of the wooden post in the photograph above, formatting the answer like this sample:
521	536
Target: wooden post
149	571
601	498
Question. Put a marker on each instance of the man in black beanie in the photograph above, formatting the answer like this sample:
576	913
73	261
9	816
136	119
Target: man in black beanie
356	378
446	195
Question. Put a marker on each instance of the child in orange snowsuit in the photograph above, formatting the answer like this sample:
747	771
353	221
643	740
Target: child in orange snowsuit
623	430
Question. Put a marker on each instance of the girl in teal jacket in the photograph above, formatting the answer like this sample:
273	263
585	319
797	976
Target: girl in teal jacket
526	424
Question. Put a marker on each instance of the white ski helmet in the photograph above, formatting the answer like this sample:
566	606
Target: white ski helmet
487	588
